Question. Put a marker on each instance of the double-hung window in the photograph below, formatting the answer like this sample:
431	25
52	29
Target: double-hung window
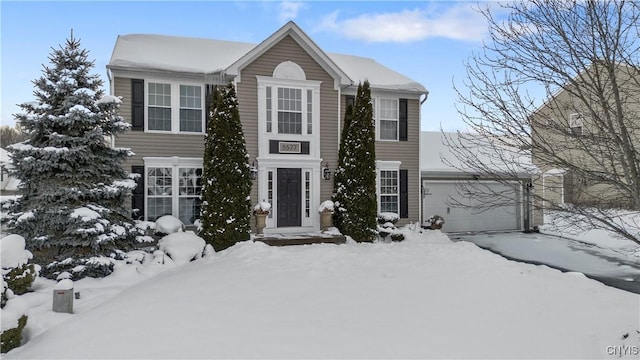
159	111
174	107
388	115
289	111
190	108
385	118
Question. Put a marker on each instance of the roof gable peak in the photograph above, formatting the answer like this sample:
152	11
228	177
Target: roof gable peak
295	32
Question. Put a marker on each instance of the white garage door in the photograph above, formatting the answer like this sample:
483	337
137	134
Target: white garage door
437	197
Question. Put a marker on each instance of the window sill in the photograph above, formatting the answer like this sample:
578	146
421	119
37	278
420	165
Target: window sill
172	132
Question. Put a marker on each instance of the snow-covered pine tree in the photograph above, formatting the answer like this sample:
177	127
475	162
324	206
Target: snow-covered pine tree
356	192
226	182
339	178
73	185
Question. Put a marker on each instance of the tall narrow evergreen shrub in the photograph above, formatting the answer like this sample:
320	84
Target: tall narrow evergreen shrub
226	181
73	186
355	179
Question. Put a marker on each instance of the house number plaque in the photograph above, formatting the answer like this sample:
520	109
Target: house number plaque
289	147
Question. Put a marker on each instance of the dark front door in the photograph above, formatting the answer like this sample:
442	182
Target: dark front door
289	197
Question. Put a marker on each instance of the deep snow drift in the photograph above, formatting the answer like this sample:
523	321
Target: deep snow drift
425	297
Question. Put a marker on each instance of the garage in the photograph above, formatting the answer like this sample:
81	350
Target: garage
439	197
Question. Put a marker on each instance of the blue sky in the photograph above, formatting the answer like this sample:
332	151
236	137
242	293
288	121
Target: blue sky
426	41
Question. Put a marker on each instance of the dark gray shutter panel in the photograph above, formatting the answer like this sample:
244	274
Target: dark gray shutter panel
404	194
402	136
137	200
137	104
208	93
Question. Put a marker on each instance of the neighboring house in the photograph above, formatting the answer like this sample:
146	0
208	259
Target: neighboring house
292	97
8	184
445	178
582	136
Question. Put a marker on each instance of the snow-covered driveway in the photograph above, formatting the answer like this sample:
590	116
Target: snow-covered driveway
610	266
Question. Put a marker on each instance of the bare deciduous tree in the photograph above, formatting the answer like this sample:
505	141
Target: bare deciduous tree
582	59
10	135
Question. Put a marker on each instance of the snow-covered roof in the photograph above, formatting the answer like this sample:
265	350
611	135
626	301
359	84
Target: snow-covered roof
207	56
437	157
5	157
360	69
175	53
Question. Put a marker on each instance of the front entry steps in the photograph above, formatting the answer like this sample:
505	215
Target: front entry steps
300	239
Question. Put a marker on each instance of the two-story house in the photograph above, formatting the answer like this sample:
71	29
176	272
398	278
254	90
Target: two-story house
292	97
586	139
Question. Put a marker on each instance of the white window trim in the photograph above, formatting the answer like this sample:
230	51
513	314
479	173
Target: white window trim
382	165
175	106
264	136
169	162
377	117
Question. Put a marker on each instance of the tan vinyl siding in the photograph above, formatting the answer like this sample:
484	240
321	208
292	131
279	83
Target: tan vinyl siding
152	144
289	50
408	153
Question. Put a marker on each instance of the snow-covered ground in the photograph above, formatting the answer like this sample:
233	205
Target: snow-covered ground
425	297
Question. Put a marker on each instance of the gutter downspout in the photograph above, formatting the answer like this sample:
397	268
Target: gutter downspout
111	92
421	203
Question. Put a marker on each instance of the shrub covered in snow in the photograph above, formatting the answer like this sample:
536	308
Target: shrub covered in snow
388	217
13	316
17	277
182	247
168	224
96	267
16	271
435	222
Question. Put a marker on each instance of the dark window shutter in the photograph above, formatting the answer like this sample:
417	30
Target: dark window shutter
137	104
137	200
208	93
403	120
404	194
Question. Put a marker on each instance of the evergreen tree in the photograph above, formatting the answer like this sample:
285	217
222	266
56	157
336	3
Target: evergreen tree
73	185
339	176
226	181
356	188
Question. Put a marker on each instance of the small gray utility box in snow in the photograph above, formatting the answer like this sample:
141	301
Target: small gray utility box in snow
63	297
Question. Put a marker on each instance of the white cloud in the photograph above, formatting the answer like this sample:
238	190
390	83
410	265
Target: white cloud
458	22
289	10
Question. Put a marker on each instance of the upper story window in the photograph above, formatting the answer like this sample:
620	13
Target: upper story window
289	111
288	103
388	118
190	108
388	115
576	126
173	107
159	110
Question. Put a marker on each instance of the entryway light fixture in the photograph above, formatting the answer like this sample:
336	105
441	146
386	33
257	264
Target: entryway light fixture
254	171
326	173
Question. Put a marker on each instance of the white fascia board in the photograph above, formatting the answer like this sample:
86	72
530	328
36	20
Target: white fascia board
383	92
